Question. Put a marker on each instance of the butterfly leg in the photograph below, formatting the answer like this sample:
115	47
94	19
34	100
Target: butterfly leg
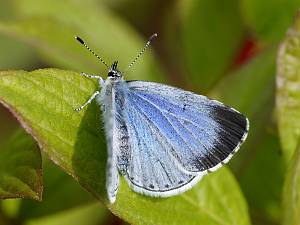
88	101
93	77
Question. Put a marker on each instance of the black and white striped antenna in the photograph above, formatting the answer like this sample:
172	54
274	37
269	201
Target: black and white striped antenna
85	45
143	50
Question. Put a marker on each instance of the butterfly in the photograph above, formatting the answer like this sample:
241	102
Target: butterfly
162	139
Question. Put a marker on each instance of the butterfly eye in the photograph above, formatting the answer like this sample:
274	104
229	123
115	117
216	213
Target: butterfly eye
111	74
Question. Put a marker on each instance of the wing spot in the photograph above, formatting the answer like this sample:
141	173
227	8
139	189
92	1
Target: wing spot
186	123
123	127
151	186
180	182
125	137
166	186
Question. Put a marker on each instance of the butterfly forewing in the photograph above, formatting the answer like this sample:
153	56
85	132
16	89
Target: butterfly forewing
173	136
202	132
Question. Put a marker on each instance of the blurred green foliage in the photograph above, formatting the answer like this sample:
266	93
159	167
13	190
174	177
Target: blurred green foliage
20	168
236	51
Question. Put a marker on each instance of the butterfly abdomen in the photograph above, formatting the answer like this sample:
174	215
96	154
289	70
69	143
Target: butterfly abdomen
107	98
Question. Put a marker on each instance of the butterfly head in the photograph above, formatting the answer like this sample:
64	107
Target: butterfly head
113	72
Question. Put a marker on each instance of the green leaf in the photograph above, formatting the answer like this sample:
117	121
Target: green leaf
75	142
9	208
41	23
20	168
265	203
291	192
61	194
288	91
212	32
91	214
269	18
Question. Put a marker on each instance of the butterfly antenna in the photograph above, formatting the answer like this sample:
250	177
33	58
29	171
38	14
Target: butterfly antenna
85	45
143	50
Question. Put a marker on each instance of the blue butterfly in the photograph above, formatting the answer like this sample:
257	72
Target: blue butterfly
162	139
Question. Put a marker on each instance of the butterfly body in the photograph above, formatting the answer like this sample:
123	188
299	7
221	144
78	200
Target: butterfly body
107	99
163	139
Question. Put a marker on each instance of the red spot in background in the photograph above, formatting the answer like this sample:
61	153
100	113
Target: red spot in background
249	49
